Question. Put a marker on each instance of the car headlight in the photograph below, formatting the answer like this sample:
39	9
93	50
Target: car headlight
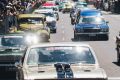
104	29
31	39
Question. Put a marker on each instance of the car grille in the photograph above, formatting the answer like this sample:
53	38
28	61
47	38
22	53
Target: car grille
91	30
7	70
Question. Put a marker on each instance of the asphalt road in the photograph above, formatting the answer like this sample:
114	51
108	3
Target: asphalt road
105	50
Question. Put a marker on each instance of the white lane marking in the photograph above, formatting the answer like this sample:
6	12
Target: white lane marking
113	78
63	35
63	32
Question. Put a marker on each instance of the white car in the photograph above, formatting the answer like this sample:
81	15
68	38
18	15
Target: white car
51	18
49	13
58	61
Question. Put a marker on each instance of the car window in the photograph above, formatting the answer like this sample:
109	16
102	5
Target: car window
60	54
48	14
92	20
30	20
12	41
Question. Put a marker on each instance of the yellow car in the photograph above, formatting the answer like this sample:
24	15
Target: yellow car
67	7
34	23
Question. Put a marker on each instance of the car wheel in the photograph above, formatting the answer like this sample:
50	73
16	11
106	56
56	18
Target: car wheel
55	31
19	76
105	37
118	54
63	12
57	18
72	21
60	10
75	36
118	60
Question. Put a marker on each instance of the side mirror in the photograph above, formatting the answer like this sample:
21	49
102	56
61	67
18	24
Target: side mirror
18	64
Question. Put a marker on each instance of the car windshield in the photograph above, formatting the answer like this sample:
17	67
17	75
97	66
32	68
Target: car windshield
31	20
52	8
56	54
12	41
48	14
92	20
79	6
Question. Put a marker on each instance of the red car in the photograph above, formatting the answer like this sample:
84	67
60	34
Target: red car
49	4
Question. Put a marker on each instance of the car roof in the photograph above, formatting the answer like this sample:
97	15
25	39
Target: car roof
90	12
60	44
44	10
80	2
13	34
48	4
31	15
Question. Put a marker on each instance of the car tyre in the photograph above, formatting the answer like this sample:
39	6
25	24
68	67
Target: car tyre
75	36
60	10
53	31
19	76
63	12
118	54
72	21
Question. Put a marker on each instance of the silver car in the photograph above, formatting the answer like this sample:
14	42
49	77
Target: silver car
58	61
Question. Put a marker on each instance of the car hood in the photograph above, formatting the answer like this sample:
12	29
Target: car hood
10	55
76	72
91	26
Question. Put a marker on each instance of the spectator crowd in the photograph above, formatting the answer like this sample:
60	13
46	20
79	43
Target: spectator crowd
9	9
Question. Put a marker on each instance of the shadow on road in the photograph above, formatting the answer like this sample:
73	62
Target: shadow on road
116	63
88	39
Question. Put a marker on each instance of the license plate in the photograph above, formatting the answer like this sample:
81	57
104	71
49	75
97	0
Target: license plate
92	34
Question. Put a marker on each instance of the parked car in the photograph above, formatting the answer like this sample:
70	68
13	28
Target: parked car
91	24
118	47
60	61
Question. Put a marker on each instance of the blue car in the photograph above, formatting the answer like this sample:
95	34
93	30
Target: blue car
91	23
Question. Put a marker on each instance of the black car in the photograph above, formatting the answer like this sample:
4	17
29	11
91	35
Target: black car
11	50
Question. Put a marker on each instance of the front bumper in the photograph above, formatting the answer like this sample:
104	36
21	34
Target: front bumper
97	33
52	26
66	9
8	71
